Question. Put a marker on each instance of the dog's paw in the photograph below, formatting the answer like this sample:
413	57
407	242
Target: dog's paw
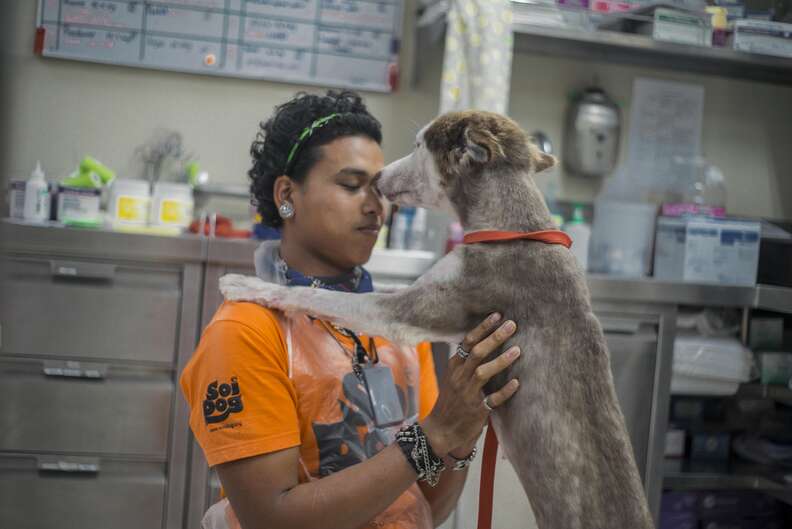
236	287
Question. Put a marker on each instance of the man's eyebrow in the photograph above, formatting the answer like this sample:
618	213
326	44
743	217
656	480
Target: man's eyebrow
353	171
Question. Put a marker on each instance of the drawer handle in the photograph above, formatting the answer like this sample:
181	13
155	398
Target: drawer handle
76	270
71	467
71	369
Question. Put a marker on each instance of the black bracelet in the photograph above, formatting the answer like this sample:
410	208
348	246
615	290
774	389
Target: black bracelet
416	449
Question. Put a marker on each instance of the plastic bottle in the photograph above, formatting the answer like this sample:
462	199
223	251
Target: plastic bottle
580	232
456	236
37	197
399	231
418	230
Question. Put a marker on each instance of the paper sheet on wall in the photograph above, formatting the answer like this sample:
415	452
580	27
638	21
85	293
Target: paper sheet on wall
665	121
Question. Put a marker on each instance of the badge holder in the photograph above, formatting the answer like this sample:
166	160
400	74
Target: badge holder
380	387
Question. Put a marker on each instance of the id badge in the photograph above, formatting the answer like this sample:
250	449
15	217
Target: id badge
382	395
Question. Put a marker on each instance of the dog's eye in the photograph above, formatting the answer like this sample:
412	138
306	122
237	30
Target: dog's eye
417	144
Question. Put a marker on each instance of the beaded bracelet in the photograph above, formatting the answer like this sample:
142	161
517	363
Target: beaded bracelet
462	464
415	447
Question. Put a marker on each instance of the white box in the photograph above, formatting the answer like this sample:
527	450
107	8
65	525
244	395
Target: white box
760	36
682	27
707	250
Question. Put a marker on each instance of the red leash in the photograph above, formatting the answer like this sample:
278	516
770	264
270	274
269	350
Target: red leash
487	484
490	456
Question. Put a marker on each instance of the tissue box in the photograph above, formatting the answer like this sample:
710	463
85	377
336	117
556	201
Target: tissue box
707	250
760	36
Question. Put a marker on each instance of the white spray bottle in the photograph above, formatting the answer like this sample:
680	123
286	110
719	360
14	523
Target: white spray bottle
37	197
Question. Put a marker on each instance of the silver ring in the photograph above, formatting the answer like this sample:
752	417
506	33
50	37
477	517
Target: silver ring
461	353
487	404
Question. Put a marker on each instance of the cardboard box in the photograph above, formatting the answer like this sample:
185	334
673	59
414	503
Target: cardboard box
682	27
707	250
767	38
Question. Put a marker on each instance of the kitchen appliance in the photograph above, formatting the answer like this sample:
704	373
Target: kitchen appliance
591	134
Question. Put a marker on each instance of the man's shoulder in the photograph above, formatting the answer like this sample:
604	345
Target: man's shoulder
246	313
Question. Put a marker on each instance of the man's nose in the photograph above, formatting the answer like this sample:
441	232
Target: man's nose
374	203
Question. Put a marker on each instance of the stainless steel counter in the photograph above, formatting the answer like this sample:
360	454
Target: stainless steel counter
236	253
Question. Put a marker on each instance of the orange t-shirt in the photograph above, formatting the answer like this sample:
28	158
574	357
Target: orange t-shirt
261	381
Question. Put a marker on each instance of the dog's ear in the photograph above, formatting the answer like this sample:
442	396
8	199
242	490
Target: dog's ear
541	160
479	145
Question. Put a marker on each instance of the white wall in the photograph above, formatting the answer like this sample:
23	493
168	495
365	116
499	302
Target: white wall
58	111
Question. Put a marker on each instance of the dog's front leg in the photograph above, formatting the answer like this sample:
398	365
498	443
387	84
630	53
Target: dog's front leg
427	310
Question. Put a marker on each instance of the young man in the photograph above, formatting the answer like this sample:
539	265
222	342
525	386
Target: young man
310	425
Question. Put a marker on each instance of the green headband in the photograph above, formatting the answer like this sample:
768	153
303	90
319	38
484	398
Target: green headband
309	130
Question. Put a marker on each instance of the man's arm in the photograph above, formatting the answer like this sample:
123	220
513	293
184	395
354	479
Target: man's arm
444	497
265	493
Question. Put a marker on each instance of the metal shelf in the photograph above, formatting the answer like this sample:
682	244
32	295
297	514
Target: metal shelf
778	299
622	48
686	475
637	50
763	391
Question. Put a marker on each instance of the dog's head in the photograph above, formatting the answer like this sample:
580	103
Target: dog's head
456	155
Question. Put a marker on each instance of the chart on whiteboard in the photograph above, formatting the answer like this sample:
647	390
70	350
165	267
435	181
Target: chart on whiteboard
345	43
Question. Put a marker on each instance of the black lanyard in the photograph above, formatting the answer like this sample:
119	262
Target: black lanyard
359	356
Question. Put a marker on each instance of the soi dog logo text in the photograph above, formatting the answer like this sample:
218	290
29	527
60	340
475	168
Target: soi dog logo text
221	401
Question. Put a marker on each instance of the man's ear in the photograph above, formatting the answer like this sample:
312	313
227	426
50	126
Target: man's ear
283	190
541	160
480	146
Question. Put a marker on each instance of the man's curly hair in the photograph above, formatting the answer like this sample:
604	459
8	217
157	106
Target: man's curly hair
278	135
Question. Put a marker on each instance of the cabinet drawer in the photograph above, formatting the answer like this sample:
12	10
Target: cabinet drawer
47	492
90	310
74	407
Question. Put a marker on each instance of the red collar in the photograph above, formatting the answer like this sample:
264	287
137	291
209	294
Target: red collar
545	236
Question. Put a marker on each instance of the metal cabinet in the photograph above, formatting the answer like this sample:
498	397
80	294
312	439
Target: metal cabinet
640	338
94	329
90	308
79	408
38	491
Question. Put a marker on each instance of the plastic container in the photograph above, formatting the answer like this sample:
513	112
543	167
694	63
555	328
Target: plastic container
580	232
79	206
172	205
720	25
622	238
699	189
16	199
709	366
37	197
130	201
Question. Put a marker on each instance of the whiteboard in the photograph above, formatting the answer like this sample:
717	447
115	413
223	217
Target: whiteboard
344	43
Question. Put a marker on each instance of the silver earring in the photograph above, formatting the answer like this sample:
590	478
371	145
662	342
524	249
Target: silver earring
286	210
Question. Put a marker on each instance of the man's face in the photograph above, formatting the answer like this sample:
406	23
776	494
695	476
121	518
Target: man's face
339	210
